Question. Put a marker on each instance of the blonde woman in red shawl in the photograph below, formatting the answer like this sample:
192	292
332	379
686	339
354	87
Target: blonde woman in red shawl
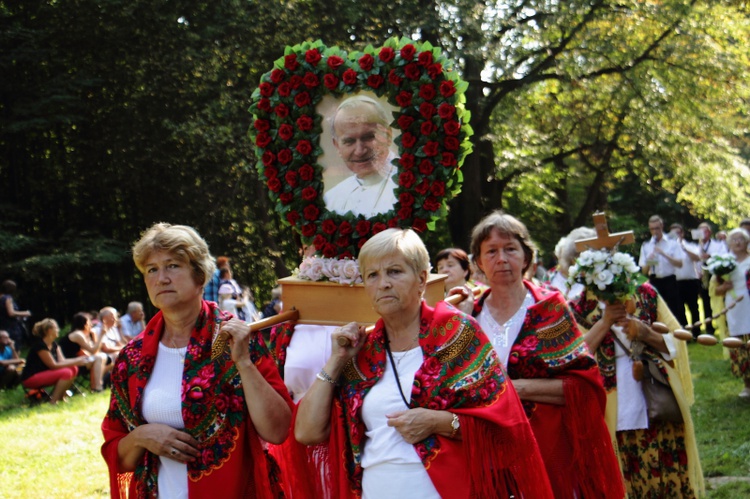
420	407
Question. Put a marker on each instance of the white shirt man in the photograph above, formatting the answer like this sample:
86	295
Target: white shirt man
132	323
362	136
660	257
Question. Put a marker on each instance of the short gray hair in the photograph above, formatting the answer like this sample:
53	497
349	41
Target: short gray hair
405	242
359	100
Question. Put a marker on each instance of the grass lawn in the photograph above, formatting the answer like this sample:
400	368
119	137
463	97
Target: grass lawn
53	452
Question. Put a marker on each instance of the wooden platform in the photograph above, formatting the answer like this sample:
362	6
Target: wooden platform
330	303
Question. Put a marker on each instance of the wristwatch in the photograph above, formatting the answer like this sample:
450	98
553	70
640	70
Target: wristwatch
455	425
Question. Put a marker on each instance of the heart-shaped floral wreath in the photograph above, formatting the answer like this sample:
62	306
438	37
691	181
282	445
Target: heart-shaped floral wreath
434	139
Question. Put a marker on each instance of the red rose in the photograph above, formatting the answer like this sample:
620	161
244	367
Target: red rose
387	54
331	81
452	128
270	172
427	128
412	71
423	187
403	98
449	159
309	194
312	56
295	81
286	197
268	158
426	167
434	70
427	110
263	139
375	81
406	179
346	254
404	122
350	77
446	111
328	226
431	204
329	250
306	172
266	89
362	227
319	242
302	99
427	92
262	125
286	131
447	88
408	140
425	58
431	148
343	242
308	230
361	243
394	78
265	105
393	223
311	212
408	52
291	178
345	228
366	62
405	212
311	80
281	111
378	227
419	225
284	156
406	199
451	143
407	161
277	76
284	89
290	62
274	184
438	188
293	216
304	147
305	123
334	62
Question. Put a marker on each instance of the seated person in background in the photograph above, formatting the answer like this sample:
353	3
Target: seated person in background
110	337
132	323
46	365
82	342
9	362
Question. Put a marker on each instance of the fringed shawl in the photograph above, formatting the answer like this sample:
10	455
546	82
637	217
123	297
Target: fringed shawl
232	461
573	438
497	455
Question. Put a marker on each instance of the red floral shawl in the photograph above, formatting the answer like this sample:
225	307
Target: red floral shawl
232	462
573	438
497	455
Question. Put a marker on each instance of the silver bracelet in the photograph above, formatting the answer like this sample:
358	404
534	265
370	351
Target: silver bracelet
324	376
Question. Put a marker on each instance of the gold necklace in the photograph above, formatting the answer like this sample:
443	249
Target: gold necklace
179	350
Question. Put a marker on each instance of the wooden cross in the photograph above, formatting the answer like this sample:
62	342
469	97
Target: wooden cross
603	239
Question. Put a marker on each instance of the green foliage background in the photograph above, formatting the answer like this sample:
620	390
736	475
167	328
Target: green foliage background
115	115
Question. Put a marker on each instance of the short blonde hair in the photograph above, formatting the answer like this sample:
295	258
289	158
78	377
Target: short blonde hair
739	231
506	225
181	241
405	242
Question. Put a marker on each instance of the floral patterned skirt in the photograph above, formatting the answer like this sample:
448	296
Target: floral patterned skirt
740	360
654	461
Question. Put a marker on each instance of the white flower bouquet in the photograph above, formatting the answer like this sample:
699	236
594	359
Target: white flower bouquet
315	268
608	276
721	265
